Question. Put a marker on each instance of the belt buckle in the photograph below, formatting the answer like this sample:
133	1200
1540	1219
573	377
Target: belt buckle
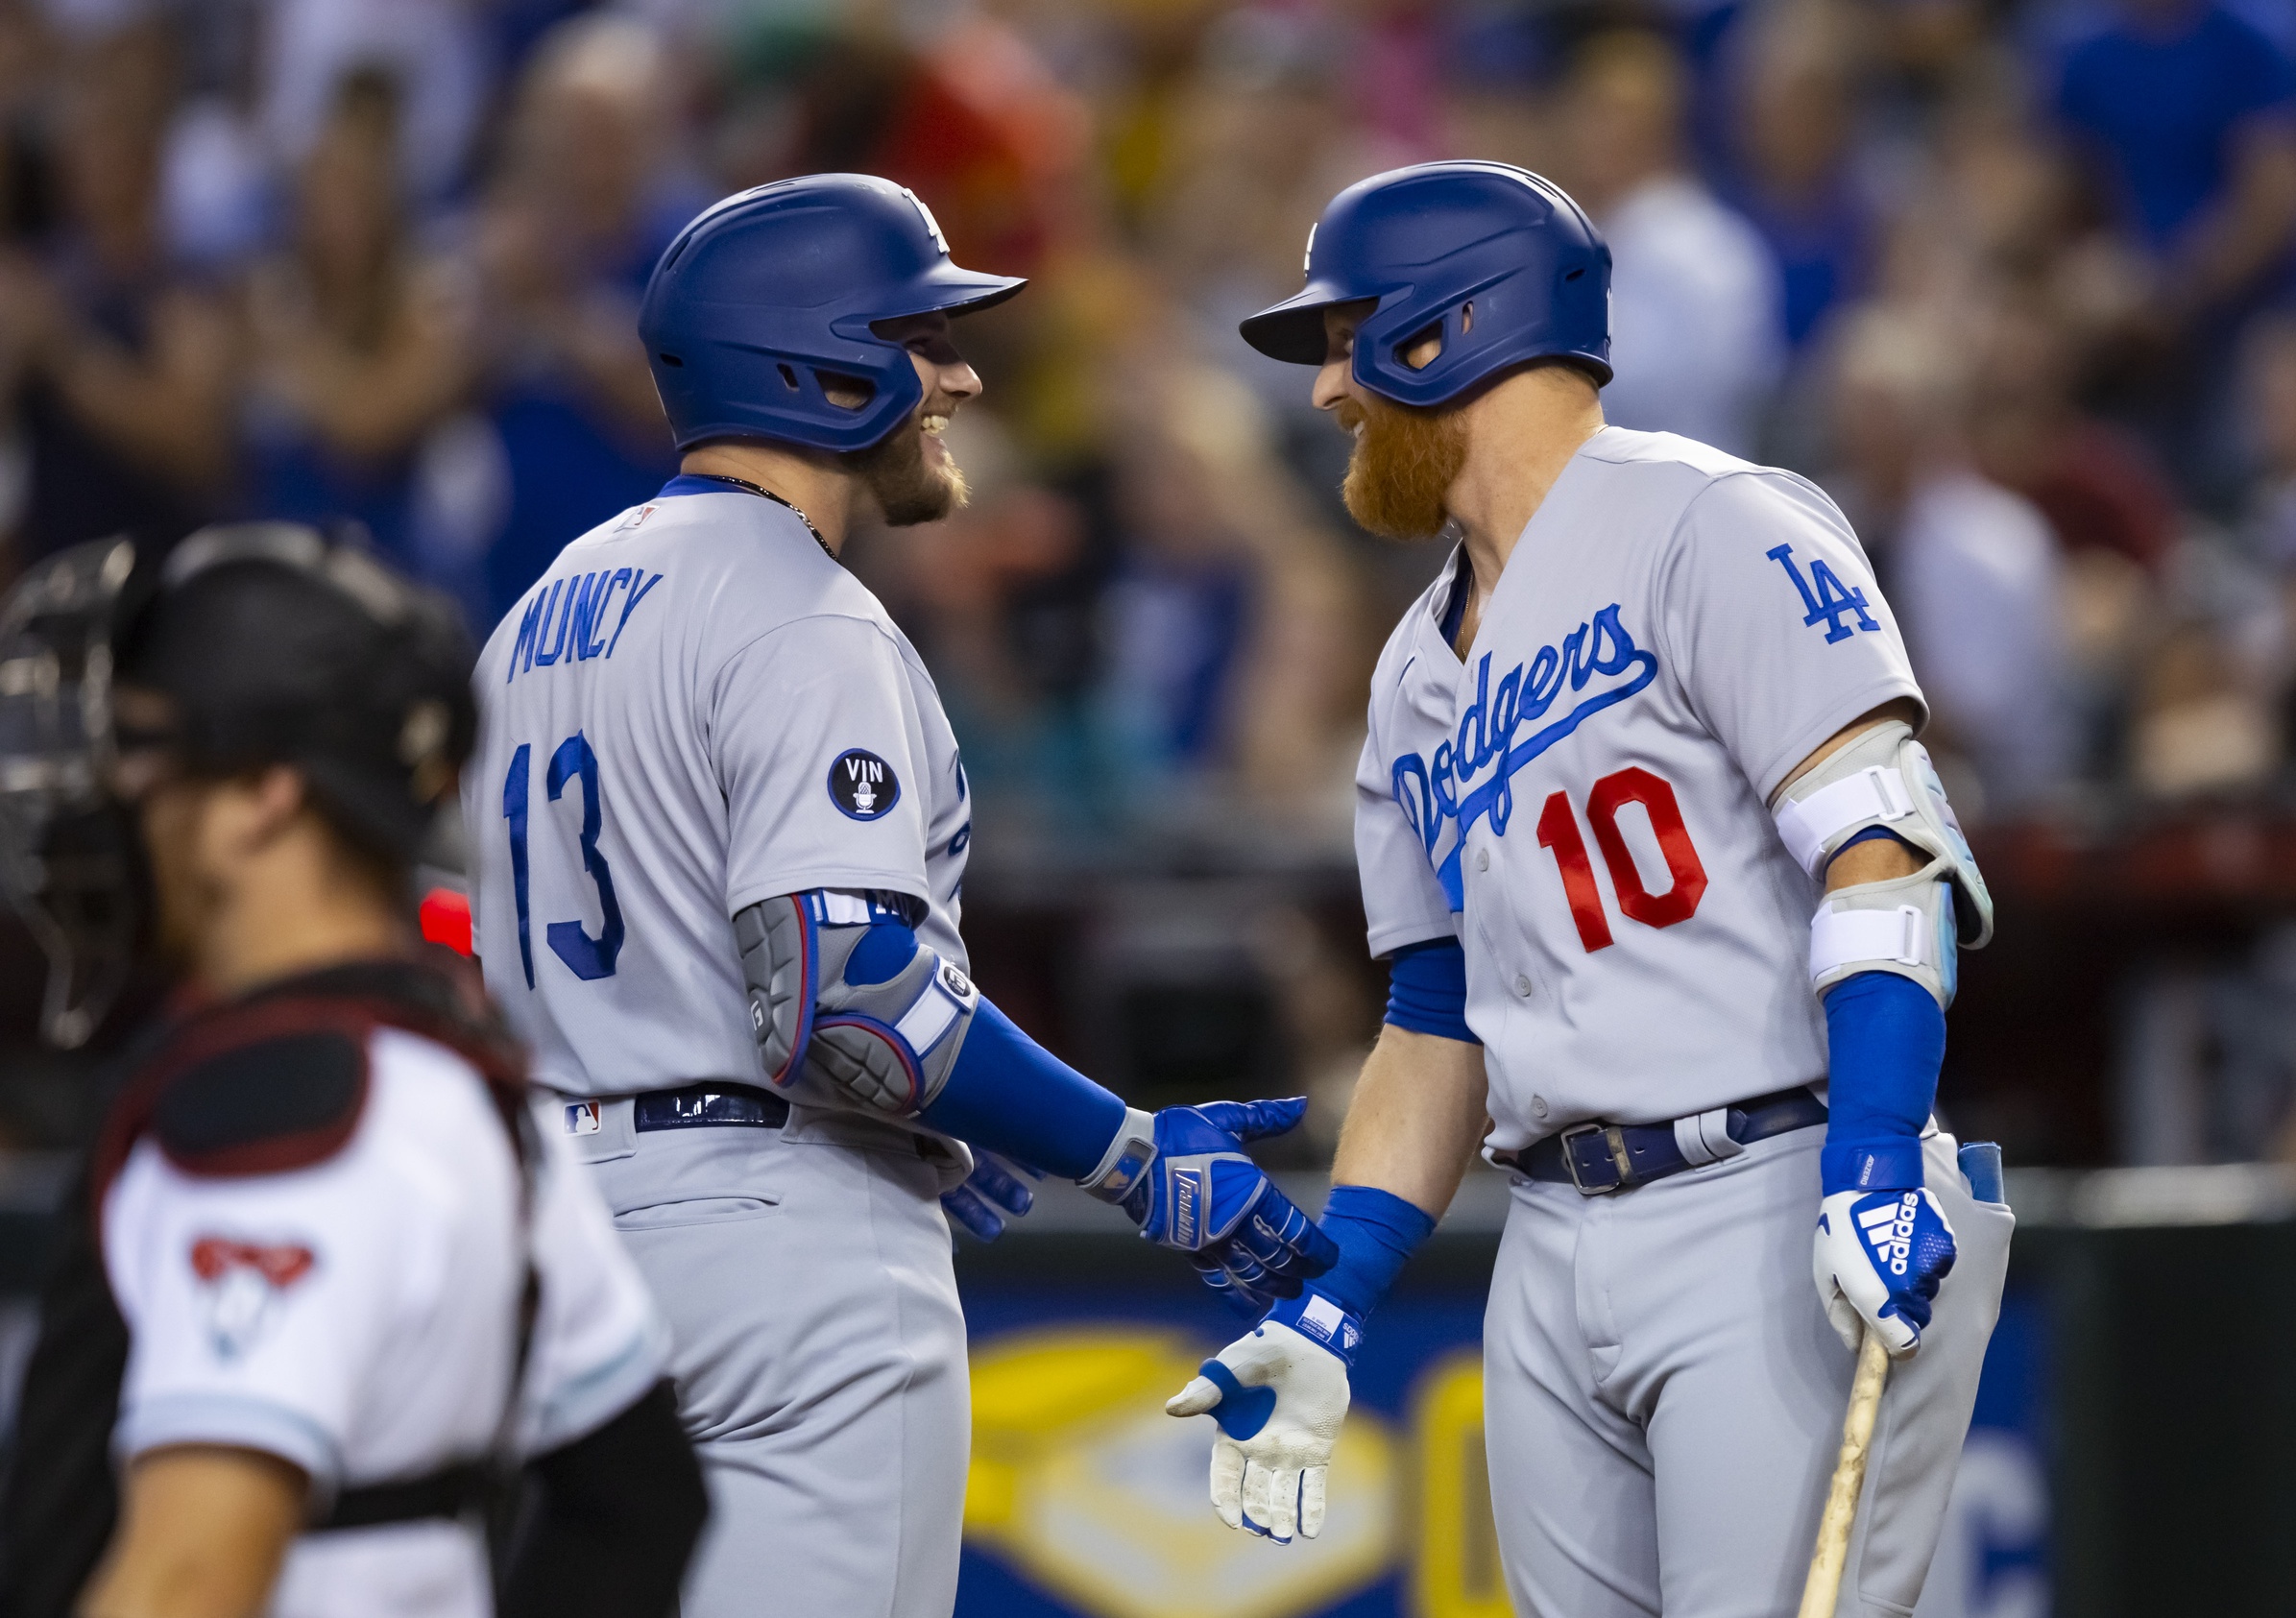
1617	1144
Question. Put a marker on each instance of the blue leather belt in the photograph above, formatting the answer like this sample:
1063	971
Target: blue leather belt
1601	1158
700	1106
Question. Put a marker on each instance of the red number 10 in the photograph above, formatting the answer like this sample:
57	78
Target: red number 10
1559	831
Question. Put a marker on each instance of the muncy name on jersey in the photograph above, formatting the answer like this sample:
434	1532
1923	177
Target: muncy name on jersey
568	618
1450	790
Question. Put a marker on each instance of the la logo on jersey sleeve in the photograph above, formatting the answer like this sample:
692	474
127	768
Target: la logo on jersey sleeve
862	785
240	1286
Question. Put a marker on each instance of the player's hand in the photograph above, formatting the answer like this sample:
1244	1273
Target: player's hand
1205	1198
1879	1259
993	1194
1279	1398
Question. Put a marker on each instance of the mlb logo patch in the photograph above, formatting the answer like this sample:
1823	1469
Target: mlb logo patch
240	1284
582	1118
637	518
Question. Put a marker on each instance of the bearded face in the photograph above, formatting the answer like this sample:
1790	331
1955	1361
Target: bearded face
1405	462
909	472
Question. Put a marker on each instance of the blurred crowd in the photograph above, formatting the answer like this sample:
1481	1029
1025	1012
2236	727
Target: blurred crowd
2013	279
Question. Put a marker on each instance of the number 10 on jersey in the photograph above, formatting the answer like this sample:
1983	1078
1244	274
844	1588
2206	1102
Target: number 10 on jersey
588	959
1558	833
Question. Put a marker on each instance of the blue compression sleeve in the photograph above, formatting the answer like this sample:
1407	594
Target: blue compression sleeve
1888	1039
1427	990
1376	1231
1010	1095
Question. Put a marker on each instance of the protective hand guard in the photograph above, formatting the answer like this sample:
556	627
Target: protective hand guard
1183	1177
1880	1257
849	1009
1279	1398
993	1194
1908	925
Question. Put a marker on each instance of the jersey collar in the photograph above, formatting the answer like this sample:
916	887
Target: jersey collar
716	483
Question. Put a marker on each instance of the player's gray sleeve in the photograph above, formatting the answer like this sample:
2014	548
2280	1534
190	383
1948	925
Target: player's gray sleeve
1403	901
1913	925
850	1010
1771	621
817	745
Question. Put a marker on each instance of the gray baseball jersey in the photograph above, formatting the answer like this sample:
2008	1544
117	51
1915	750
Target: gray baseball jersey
1582	801
695	708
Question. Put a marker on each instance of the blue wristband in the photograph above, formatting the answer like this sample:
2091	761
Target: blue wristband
1377	1232
1010	1095
1887	1035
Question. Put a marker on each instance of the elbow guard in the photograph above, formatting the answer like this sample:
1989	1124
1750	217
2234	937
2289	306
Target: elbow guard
850	1010
1912	925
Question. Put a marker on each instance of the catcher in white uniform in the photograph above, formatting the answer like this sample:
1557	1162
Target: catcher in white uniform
1673	897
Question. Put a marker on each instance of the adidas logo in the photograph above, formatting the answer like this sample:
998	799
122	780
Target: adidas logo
1890	1227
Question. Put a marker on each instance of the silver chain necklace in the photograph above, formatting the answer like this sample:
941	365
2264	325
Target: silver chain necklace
760	489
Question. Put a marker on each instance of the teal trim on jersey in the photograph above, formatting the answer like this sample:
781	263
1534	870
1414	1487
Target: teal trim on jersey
235	1422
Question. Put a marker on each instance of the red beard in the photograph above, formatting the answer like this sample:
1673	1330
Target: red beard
1404	463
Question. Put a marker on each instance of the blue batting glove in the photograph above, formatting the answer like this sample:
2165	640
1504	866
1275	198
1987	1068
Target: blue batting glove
992	1193
1203	1196
1879	1259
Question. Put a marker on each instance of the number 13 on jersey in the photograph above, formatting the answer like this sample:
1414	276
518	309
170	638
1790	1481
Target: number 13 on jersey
587	958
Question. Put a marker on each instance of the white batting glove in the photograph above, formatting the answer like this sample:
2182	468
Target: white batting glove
1279	1397
1879	1259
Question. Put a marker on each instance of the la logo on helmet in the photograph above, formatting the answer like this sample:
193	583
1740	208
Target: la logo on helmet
932	225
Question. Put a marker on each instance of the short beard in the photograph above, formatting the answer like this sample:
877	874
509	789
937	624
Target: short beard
907	490
1405	461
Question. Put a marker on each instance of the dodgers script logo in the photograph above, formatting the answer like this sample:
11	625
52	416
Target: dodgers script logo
1471	775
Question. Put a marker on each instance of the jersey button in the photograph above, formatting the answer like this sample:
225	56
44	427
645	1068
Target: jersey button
1522	985
1538	1106
1483	860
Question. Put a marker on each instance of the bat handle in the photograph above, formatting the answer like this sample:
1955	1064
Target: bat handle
1824	1587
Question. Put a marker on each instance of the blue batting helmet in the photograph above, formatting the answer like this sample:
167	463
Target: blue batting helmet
1425	242
770	291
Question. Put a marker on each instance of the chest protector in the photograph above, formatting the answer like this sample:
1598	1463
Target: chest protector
265	1084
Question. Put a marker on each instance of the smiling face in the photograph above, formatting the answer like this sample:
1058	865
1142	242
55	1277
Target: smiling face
1405	459
909	473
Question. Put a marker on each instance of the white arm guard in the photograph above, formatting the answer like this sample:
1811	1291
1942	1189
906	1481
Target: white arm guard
883	1048
1911	925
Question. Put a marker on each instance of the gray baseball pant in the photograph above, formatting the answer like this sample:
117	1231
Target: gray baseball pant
1663	1396
819	1351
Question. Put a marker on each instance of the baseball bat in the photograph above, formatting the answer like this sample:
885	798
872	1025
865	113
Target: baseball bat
1824	1587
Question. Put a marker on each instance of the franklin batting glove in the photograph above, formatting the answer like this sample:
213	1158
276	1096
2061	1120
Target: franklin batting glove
1279	1398
1203	1196
1879	1258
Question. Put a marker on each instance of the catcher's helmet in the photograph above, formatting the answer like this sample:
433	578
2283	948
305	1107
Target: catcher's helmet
769	291
272	646
1427	240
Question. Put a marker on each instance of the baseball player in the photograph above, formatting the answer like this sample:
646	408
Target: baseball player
324	1279
1669	892
719	830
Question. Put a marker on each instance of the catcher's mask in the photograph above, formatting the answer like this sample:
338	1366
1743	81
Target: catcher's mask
271	645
